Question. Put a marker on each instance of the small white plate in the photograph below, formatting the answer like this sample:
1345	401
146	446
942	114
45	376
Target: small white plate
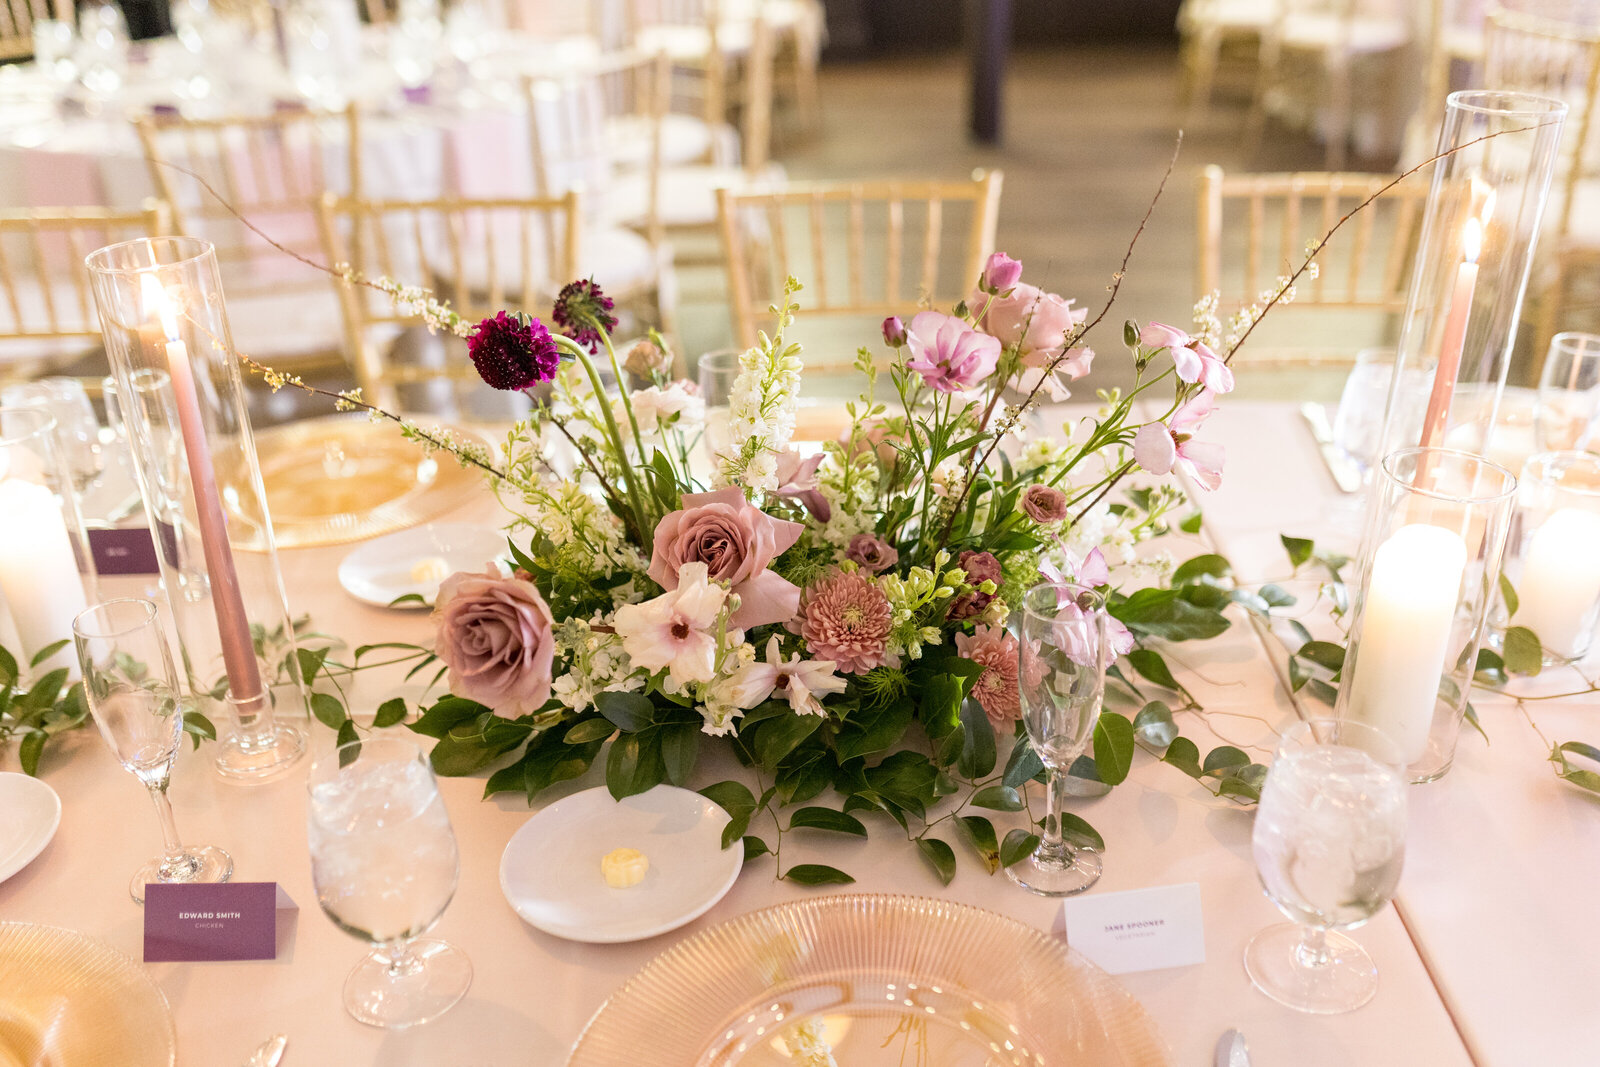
33	811
379	571
550	871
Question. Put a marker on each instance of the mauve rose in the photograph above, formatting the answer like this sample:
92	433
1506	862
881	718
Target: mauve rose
737	542
872	554
493	634
1044	503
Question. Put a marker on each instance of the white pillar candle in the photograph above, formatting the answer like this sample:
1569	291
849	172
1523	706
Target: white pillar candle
38	571
1405	633
1561	581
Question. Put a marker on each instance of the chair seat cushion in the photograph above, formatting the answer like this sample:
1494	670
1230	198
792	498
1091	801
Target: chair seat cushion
1364	35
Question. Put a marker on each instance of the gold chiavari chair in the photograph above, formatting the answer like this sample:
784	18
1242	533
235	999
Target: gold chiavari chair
1207	29
860	248
269	169
1256	228
482	256
16	25
47	312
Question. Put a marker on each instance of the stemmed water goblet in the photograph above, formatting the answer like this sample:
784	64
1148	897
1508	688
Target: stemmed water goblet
385	865
136	702
1061	683
1329	842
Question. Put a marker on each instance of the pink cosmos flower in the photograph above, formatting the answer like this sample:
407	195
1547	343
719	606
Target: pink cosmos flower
1159	447
493	634
871	553
996	688
1000	274
1044	503
949	354
737	542
845	618
797	478
674	631
1192	358
799	681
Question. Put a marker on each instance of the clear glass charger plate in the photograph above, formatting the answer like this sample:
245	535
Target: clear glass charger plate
68	1000
882	980
344	478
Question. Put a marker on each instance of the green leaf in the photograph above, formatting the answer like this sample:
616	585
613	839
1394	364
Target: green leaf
1582	748
455	757
634	765
391	712
1323	654
8	668
754	848
827	819
880	732
1210	565
1587	779
1234	786
1276	596
47	651
816	874
1163	613
1224	758
1190	525
940	856
630	712
310	661
445	715
997	798
198	727
736	799
680	746
1113	747
1078	831
348	742
585	730
1018	845
1508	593
29	751
408	598
1152	666
1023	765
1154	726
1184	755
45	691
1523	653
328	710
907	780
778	737
979	833
1300	549
978	753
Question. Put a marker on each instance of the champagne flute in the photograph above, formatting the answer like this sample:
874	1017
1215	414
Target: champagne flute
1062	681
1329	841
385	865
134	697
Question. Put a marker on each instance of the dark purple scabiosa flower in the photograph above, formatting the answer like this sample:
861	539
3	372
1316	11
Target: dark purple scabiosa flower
513	352
582	310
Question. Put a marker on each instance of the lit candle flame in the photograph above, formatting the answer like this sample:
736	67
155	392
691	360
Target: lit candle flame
156	303
1472	240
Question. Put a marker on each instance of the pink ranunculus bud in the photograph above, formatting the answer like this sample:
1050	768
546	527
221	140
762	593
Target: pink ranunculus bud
1000	273
894	331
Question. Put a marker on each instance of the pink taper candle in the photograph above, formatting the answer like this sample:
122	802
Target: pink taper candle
1455	336
238	650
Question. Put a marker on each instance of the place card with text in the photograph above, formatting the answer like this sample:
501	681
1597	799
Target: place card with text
1138	930
226	921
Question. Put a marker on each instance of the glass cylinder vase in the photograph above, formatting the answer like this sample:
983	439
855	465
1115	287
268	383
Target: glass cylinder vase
46	572
1430	567
1553	554
181	398
1476	244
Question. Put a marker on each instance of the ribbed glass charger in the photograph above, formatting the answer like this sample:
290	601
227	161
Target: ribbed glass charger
68	1000
871	980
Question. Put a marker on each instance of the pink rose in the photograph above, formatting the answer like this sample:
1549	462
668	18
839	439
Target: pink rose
493	634
737	542
1035	320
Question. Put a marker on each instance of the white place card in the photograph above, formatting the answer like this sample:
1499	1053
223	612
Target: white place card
1138	930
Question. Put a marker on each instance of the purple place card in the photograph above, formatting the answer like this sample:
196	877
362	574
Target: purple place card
231	921
123	550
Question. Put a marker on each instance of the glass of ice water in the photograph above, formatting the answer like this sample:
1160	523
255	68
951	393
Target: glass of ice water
385	865
1329	842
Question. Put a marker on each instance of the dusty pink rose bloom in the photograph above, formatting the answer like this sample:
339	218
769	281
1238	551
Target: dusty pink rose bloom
737	542
1044	503
873	553
996	688
493	634
1030	318
845	618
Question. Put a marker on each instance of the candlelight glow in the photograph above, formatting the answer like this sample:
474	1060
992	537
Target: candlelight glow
156	303
1472	240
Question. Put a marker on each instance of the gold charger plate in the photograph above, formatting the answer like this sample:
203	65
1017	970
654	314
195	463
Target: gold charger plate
346	478
67	1000
880	980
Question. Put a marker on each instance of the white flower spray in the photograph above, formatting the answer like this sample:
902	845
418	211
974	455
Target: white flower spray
761	411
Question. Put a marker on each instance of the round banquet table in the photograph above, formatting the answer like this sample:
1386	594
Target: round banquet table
1474	969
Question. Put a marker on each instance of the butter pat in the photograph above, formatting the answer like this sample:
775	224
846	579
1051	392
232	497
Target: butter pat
624	868
430	571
